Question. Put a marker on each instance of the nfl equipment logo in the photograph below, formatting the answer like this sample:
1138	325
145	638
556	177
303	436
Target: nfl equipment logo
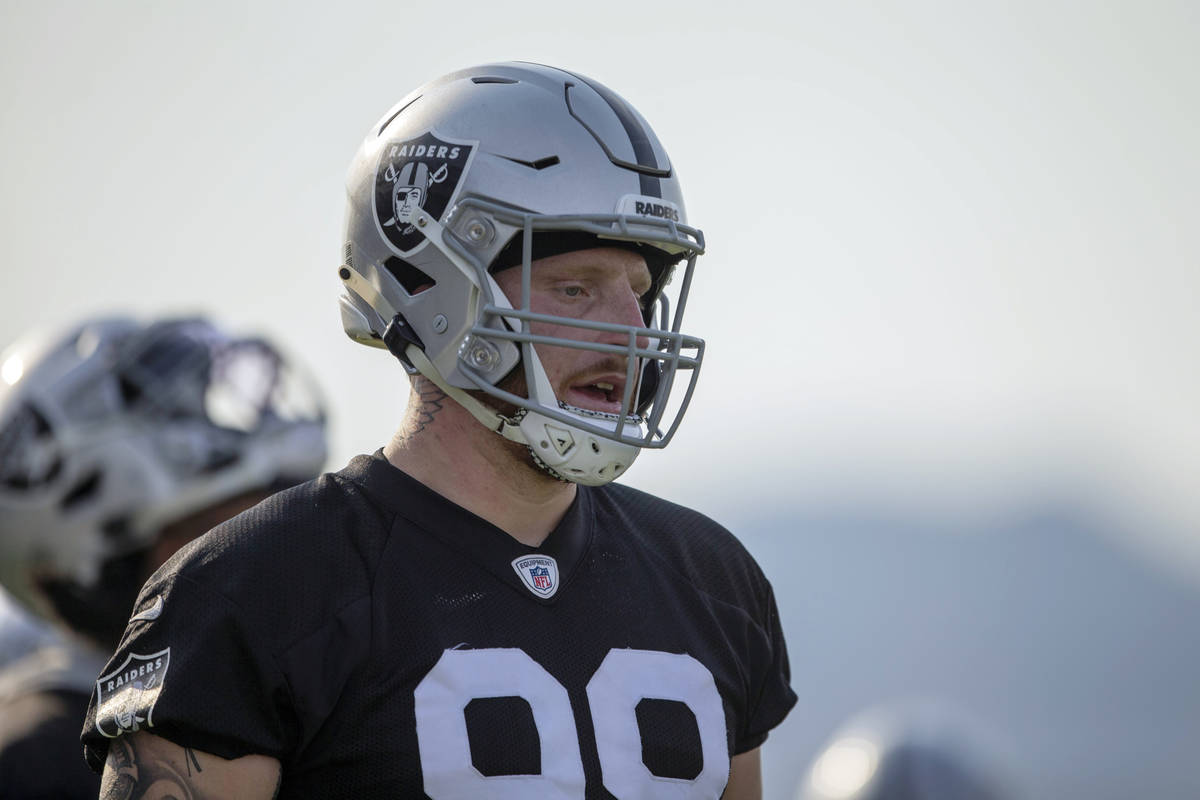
538	573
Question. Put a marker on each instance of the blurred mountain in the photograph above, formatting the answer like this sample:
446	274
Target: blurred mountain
1080	659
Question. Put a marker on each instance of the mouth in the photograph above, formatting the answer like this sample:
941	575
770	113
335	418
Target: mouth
601	393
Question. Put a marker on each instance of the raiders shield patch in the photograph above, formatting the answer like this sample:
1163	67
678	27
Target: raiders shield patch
125	698
417	174
538	573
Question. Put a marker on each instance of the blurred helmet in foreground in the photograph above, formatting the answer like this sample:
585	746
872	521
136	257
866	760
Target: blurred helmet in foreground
912	753
112	429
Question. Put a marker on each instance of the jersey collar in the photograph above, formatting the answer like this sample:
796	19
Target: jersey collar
471	535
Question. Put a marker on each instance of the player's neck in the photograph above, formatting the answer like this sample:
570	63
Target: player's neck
473	467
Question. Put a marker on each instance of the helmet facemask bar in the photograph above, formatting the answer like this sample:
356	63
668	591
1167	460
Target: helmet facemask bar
668	350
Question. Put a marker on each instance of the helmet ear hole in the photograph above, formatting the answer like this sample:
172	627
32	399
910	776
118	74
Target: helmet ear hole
26	431
86	488
412	279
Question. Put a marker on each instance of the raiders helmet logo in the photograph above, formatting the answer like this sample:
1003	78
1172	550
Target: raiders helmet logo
417	174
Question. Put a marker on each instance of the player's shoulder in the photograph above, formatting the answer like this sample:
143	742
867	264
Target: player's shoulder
333	506
318	538
687	541
657	517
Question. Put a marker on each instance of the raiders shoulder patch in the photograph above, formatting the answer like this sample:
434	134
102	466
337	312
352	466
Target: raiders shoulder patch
125	698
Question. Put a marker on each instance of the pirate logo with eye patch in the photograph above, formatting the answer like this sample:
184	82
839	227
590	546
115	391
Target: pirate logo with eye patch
125	698
421	174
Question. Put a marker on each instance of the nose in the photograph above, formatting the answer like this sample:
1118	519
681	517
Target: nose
625	310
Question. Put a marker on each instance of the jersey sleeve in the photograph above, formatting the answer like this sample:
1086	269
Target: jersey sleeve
771	696
242	642
192	668
717	566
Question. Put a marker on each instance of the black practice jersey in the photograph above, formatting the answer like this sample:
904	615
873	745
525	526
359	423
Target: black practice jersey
381	641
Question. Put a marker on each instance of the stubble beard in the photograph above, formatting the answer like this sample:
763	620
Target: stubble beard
518	454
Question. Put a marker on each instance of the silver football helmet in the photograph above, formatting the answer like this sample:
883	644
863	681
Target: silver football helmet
113	429
498	166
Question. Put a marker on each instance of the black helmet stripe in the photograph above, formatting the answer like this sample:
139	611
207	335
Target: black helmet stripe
643	150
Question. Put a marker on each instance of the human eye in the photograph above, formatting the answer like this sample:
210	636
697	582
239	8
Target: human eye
569	287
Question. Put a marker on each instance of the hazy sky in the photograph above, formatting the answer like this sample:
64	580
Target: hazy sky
953	256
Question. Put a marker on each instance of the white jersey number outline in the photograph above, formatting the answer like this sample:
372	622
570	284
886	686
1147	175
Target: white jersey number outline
624	678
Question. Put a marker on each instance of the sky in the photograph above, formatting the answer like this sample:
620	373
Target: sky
952	253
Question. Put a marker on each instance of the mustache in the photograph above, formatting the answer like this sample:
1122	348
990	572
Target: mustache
617	365
515	383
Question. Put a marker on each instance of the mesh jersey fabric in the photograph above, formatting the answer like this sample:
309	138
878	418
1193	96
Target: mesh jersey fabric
316	626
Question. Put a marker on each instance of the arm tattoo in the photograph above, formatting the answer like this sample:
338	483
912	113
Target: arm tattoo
190	760
130	775
121	776
145	767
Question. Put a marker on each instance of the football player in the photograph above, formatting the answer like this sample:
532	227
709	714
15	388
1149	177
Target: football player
476	610
119	442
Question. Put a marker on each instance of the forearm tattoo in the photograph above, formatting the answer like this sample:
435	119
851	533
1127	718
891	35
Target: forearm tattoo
145	768
120	772
131	774
189	757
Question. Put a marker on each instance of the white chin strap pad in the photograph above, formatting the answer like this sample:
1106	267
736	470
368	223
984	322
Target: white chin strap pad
563	450
575	455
